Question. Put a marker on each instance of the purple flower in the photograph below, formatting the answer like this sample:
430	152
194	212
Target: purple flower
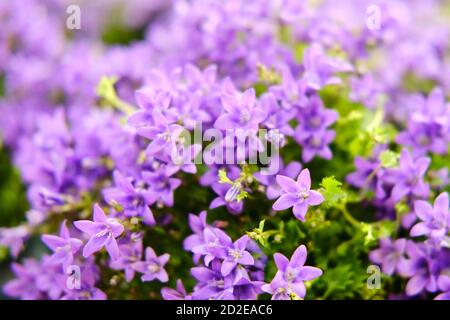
435	222
135	201
277	118
242	111
213	285
227	197
23	286
315	116
130	253
291	275
161	185
197	225
423	266
297	194
64	247
291	92
103	232
444	286
320	70
153	266
233	254
408	178
213	240
14	238
427	126
280	289
315	144
162	134
269	180
390	255
179	293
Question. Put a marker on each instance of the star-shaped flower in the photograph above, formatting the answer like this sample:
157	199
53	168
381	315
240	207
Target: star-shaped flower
297	194
103	232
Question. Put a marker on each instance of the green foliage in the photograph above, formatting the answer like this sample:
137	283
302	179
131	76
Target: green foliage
332	191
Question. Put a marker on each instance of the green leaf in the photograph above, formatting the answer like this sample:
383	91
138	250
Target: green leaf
332	191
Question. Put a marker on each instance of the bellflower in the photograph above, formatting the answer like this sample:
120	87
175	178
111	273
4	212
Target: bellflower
103	232
291	275
233	254
64	247
135	201
274	190
130	253
390	255
161	185
297	194
408	177
153	266
179	293
435	221
242	111
423	267
444	286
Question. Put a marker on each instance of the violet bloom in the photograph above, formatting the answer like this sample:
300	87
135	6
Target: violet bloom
153	266
277	118
242	111
279	288
390	255
179	293
85	293
162	134
213	240
135	201
24	286
320	70
291	92
444	286
14	238
315	116
64	247
427	126
297	194
291	274
316	143
130	253
274	190
227	197
408	178
233	254
423	267
213	285
148	101
103	232
161	185
197	225
435	222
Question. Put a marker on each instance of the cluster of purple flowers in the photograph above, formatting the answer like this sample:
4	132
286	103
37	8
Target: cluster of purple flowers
424	263
105	164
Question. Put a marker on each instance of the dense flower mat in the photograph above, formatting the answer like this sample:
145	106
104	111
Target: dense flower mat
121	186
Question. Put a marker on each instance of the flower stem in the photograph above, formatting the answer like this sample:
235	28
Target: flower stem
348	216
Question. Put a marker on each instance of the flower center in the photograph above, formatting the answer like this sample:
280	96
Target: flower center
245	116
302	195
290	275
235	254
153	267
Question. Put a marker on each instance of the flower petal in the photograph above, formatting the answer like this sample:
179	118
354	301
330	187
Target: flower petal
304	178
